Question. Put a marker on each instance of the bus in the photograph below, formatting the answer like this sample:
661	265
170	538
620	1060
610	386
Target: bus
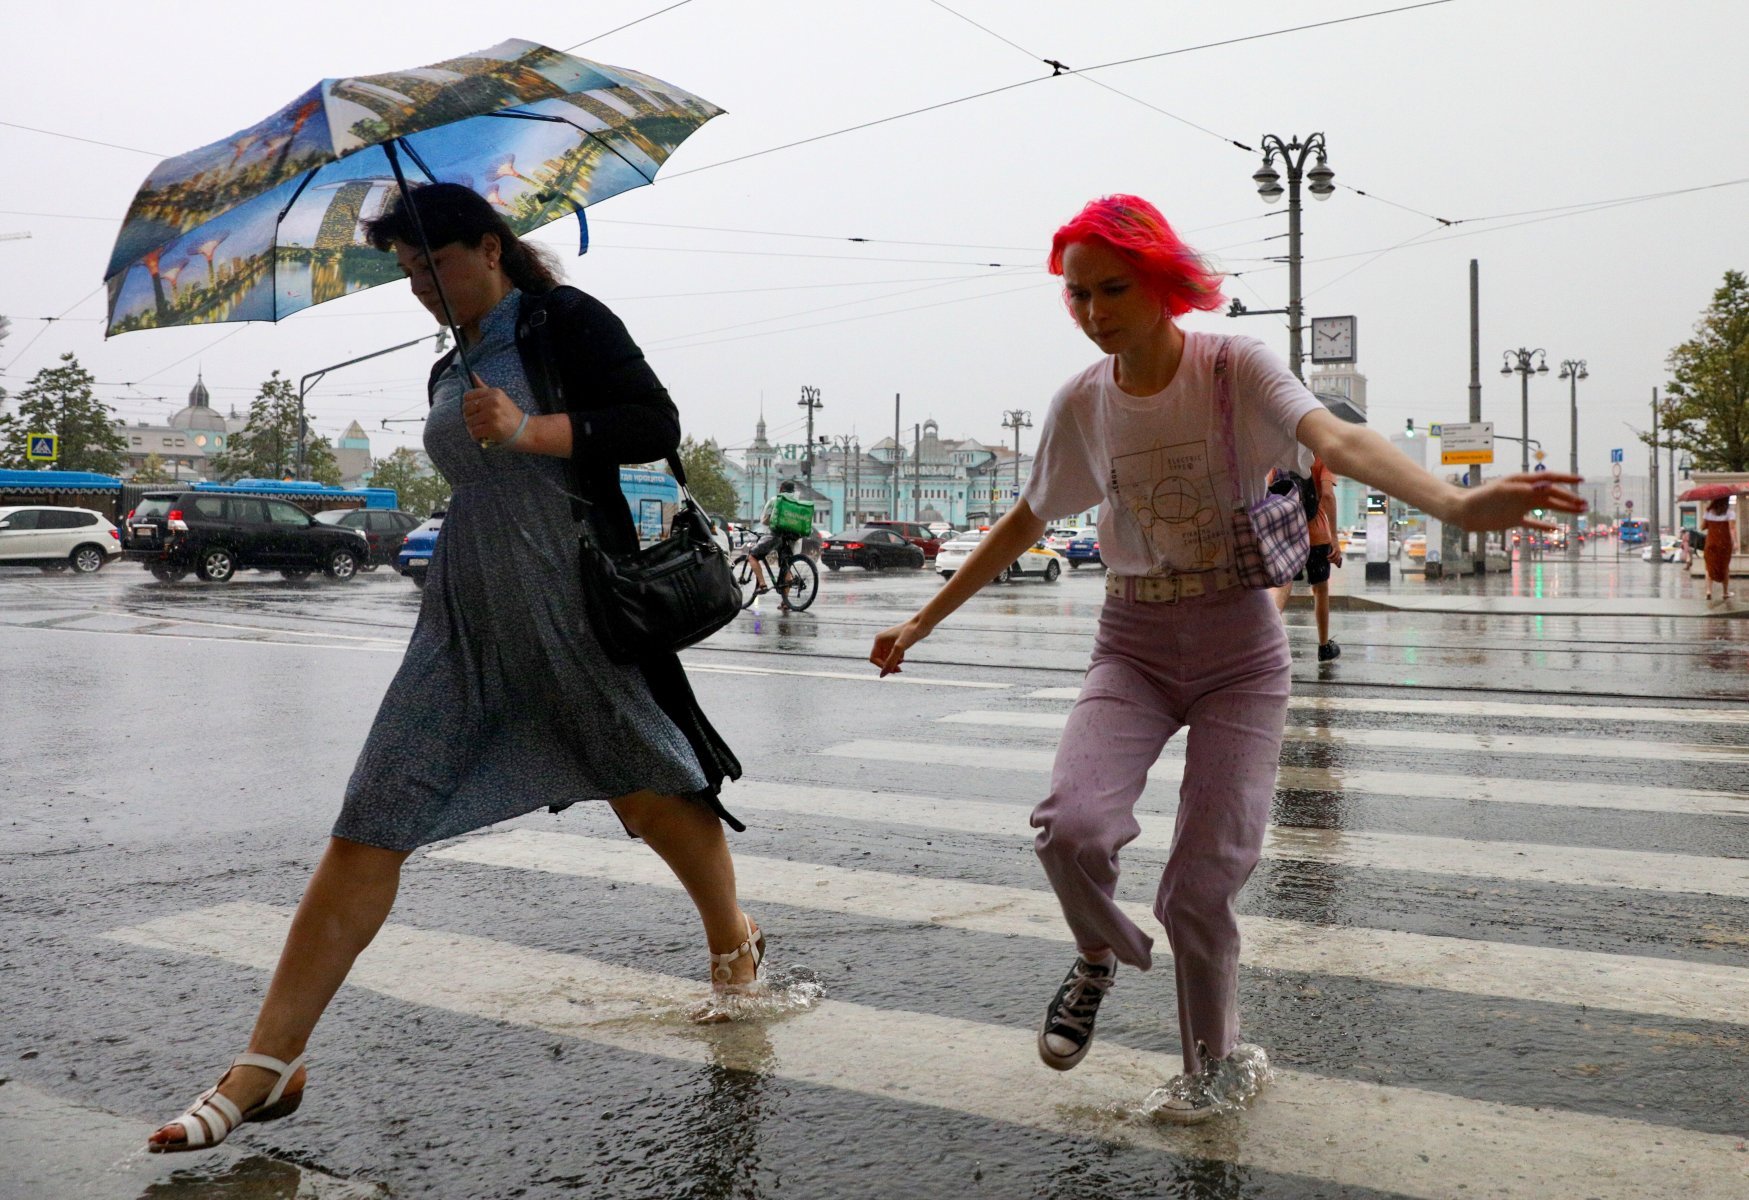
1631	533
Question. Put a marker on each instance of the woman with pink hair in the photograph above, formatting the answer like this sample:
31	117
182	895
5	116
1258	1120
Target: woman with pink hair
1169	432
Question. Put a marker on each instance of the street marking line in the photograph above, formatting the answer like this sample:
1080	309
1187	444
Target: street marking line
869	676
1629	983
1406	1141
204	641
159	618
1529	862
1483	708
1417	739
1411	784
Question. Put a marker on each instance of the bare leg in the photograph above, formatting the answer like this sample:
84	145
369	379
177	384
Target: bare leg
1321	609
347	901
689	838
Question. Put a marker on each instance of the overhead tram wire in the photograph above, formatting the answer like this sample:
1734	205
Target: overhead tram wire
1172	116
627	25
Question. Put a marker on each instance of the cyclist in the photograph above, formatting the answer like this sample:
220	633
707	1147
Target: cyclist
786	518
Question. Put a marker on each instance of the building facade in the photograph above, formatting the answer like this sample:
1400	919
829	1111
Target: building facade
185	442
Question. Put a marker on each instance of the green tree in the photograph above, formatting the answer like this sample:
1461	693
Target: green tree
60	400
421	492
706	479
152	470
1707	413
267	448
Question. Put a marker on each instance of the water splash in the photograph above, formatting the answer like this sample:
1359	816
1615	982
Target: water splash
1224	1086
778	992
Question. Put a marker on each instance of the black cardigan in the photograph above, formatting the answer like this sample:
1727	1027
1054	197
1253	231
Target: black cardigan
620	414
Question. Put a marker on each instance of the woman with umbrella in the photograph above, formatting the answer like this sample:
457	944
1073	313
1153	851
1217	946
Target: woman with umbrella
505	702
1168	432
1721	543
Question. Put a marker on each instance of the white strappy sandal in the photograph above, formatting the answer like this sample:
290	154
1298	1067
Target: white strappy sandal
212	1117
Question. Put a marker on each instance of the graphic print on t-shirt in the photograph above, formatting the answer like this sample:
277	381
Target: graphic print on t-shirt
1170	492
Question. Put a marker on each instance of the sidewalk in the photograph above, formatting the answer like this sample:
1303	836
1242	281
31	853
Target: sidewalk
1596	584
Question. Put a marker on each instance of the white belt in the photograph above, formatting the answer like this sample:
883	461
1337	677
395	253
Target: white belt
1169	589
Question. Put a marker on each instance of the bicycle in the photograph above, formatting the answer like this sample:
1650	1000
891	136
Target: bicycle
798	579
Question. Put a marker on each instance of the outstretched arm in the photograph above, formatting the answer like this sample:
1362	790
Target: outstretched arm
1360	453
1017	531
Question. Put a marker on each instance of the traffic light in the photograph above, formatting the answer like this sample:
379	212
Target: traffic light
1409	427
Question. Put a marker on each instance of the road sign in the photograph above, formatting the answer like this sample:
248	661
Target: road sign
1615	470
1615	456
1435	431
42	447
1540	467
1467	443
1629	504
1615	492
1538	455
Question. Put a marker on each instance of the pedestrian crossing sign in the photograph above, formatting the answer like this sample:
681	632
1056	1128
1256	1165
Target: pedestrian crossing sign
42	447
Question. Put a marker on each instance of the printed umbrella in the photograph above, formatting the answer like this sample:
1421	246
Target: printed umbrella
1714	491
268	221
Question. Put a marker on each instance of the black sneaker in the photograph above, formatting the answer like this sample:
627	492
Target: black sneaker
1068	1025
1329	650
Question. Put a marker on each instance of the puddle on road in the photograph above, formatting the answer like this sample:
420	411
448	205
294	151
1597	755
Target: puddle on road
56	1149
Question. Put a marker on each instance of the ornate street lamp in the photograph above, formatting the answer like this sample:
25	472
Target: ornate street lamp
1526	363
1319	178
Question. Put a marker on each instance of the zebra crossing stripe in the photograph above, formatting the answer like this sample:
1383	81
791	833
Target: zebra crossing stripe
1525	861
1660	986
869	675
1419	739
1484	708
1405	1141
1412	784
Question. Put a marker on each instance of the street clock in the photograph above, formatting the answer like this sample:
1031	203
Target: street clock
1332	339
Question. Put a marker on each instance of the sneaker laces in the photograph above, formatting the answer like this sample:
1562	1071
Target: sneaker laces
1081	1003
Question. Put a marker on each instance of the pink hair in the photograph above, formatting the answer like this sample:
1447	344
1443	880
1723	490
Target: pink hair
1134	229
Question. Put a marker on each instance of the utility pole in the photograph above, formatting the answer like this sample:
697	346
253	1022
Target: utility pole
1573	370
1652	500
1479	540
1016	419
811	401
1526	363
847	446
898	453
917	473
1294	154
314	377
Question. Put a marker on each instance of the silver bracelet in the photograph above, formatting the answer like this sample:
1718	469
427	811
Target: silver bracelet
511	440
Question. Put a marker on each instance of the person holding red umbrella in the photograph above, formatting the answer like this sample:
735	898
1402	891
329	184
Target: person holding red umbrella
1721	543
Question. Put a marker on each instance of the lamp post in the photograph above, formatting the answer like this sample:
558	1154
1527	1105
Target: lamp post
1016	419
1526	363
1293	153
314	377
811	401
850	454
1573	370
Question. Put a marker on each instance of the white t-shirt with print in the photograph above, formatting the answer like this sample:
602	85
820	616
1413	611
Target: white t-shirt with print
1156	465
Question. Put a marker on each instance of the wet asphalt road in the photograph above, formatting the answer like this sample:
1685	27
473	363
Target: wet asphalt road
1498	945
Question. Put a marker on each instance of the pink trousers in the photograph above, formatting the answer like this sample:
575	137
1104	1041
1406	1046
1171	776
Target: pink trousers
1219	664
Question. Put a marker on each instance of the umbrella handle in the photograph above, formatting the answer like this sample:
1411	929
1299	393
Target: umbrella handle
461	348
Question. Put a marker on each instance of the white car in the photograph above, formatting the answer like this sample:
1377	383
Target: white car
1040	560
1669	550
56	539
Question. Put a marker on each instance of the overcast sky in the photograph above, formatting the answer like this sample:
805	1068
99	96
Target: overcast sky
1463	110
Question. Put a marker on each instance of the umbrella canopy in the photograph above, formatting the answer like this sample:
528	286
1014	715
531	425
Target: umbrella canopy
268	221
1715	491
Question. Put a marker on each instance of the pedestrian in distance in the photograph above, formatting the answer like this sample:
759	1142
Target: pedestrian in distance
1721	544
505	702
1326	552
1180	642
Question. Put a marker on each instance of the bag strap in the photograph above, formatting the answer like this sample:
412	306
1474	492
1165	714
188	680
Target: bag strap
549	388
1224	402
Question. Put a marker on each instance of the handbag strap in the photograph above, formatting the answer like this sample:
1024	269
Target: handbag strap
549	387
1224	402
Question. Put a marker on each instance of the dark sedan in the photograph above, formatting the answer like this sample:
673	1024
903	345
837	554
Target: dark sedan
872	550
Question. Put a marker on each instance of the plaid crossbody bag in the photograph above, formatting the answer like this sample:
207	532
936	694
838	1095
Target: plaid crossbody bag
1270	540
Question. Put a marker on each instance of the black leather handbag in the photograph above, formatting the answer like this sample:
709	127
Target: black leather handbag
662	598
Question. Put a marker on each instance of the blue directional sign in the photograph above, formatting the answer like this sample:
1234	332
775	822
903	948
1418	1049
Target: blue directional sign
1615	456
42	447
1540	467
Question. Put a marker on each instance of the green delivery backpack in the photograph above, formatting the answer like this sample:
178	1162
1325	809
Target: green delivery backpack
792	516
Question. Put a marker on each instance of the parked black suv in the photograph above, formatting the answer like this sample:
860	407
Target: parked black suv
216	534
